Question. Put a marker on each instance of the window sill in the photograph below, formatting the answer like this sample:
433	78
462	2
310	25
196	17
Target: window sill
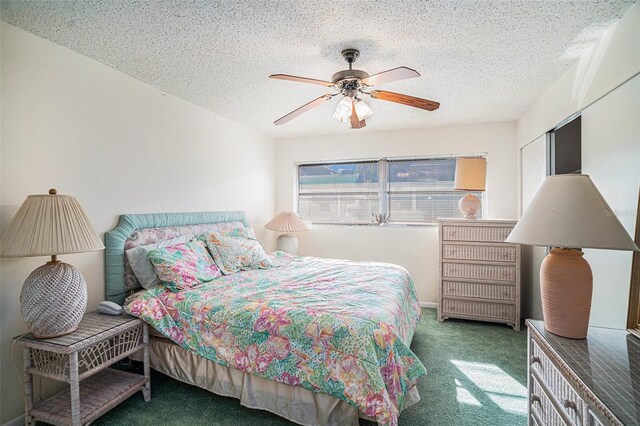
376	225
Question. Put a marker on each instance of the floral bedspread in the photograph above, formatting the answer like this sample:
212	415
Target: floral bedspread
332	326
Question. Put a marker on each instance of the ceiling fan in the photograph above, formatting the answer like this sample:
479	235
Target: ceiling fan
353	83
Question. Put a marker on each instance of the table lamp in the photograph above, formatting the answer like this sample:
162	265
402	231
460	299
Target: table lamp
287	222
470	176
569	213
54	296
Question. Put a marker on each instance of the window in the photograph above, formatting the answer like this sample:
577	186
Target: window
422	190
338	192
405	190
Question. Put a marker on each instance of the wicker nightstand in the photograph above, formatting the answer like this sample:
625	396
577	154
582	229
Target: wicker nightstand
82	359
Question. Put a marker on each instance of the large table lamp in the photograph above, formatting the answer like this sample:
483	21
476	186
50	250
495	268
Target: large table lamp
470	176
54	296
288	223
569	213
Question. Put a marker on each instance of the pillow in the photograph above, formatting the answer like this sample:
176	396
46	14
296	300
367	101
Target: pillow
184	266
139	260
239	231
235	253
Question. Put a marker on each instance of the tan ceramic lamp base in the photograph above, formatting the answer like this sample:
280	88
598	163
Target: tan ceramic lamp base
566	286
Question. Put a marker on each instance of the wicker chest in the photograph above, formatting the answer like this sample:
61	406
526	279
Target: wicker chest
583	382
82	359
479	272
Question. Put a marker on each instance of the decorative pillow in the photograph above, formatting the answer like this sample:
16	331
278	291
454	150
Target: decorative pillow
237	253
240	231
184	265
139	260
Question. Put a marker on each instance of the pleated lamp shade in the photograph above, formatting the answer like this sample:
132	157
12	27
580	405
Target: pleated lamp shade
287	222
47	225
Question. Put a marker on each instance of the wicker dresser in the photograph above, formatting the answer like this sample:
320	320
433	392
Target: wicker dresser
479	272
593	381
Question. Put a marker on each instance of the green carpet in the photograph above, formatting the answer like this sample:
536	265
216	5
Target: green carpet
477	375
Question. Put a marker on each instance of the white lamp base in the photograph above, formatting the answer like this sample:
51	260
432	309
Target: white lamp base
53	300
288	243
469	205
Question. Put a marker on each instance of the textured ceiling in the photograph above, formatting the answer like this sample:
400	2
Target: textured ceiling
483	60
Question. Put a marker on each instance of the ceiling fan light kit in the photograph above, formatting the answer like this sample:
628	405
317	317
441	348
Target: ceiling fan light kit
344	110
352	83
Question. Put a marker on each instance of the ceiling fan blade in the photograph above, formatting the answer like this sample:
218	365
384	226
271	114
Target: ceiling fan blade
301	79
354	121
405	100
304	108
388	76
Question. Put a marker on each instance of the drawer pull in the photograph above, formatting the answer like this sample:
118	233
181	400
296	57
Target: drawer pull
452	308
535	359
570	404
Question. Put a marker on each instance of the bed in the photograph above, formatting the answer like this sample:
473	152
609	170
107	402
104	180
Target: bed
317	341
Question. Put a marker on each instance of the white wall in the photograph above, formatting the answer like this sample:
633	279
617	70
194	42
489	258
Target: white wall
602	86
414	247
119	146
612	61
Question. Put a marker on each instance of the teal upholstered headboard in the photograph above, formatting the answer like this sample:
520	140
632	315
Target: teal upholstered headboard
129	223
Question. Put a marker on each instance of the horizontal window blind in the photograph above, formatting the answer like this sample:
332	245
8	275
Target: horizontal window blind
422	190
407	191
339	192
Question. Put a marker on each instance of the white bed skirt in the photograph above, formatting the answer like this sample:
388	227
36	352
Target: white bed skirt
291	402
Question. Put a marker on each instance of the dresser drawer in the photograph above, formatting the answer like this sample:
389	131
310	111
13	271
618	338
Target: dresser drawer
476	233
488	310
479	271
496	253
571	403
541	405
479	290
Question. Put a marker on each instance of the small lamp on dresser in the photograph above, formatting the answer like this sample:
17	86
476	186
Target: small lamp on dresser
288	222
568	213
54	296
470	176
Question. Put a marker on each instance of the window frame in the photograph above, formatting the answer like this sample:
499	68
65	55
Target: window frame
383	185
